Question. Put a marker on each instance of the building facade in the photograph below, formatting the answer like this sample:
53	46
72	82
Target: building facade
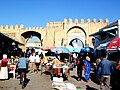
106	34
57	33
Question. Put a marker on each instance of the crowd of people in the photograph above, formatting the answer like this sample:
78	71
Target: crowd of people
107	73
23	62
105	70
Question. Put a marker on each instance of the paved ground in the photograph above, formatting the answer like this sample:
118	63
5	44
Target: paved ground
38	82
90	85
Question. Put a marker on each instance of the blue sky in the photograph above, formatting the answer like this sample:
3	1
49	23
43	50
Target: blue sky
36	13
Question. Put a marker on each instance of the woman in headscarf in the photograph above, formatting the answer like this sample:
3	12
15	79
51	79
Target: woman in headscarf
87	68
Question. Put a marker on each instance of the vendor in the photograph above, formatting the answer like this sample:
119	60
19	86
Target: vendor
4	68
56	70
44	61
56	62
11	61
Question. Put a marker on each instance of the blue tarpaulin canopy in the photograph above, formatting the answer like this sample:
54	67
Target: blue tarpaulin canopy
102	46
77	50
72	49
59	50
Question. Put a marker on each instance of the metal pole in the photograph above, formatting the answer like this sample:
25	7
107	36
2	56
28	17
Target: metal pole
54	38
118	28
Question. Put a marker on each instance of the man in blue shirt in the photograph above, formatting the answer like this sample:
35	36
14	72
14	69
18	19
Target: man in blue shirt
105	70
22	65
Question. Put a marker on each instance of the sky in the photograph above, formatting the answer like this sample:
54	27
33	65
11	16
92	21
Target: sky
36	13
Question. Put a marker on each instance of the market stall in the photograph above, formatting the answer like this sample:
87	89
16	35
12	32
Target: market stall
113	49
55	62
61	70
10	69
55	67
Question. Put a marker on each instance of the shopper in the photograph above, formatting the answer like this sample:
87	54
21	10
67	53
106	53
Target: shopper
105	71
79	68
87	68
32	62
37	62
22	65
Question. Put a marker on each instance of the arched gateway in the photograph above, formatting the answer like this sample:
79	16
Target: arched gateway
57	33
76	36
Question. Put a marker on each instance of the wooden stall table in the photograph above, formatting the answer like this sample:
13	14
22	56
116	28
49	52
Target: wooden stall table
57	71
62	71
12	67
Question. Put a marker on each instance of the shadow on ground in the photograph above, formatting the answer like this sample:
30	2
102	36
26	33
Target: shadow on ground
26	82
90	88
94	78
75	77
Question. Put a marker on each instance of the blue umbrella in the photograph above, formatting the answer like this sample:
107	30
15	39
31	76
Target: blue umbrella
72	49
87	49
62	50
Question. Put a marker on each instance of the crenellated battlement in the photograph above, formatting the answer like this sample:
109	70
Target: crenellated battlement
12	27
76	21
18	27
87	21
54	24
33	28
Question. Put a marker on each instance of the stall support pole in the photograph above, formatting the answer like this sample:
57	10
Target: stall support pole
119	28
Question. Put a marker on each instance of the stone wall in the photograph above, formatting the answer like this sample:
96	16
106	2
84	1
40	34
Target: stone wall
58	33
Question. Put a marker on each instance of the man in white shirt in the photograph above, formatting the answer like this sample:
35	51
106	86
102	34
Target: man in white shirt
37	62
32	62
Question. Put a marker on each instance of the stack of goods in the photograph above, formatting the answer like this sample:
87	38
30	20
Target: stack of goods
58	84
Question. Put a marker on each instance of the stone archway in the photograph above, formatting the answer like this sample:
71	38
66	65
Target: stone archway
76	33
29	34
76	43
78	28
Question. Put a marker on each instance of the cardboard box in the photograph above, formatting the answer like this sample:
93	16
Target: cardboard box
57	79
63	86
